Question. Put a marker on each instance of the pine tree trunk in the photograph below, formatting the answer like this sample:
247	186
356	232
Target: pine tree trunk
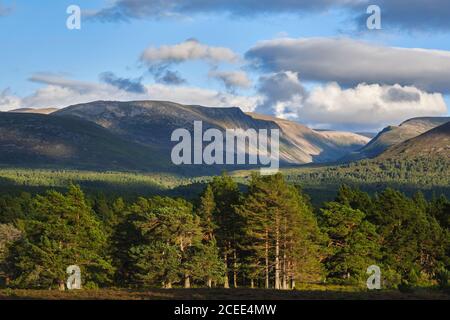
209	282
187	281
277	256
252	283
61	286
226	283
292	283
284	284
234	269
267	259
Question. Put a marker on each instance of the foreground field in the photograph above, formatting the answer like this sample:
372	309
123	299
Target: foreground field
315	293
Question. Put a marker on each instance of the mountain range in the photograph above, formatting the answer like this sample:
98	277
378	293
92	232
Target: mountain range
111	135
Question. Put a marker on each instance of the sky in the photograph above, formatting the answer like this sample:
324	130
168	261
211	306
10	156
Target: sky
311	61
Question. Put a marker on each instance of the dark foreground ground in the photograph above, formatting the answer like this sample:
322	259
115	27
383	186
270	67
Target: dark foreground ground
224	294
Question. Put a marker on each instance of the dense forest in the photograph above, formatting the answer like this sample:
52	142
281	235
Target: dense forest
267	236
320	182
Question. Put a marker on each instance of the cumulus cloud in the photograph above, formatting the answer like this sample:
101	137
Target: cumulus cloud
129	85
232	80
160	59
409	14
283	94
364	107
350	62
61	92
368	106
8	101
188	50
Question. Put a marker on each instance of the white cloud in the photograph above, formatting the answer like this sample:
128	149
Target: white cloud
8	101
61	92
368	107
283	93
187	51
350	62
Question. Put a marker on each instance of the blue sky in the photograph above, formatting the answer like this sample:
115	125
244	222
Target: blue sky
46	65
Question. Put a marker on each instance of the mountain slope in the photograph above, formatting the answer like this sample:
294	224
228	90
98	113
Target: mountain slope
307	145
35	140
431	144
393	135
152	123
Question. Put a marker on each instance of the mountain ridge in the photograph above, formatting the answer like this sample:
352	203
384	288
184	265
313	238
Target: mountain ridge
393	135
430	144
152	122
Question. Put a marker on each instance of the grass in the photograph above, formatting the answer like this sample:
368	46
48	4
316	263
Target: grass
309	292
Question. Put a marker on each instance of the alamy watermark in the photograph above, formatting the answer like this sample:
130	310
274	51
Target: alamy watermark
74	279
73	22
374	280
235	147
374	20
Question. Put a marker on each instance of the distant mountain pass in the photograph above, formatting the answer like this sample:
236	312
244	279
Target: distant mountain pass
304	145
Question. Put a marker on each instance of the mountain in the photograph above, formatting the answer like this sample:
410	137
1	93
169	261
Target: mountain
393	135
431	144
152	123
370	135
37	140
304	145
31	110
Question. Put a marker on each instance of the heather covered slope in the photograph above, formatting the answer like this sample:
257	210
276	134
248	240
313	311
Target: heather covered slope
35	140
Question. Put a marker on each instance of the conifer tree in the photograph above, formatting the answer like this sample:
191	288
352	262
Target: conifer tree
353	241
61	230
170	249
282	236
228	224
